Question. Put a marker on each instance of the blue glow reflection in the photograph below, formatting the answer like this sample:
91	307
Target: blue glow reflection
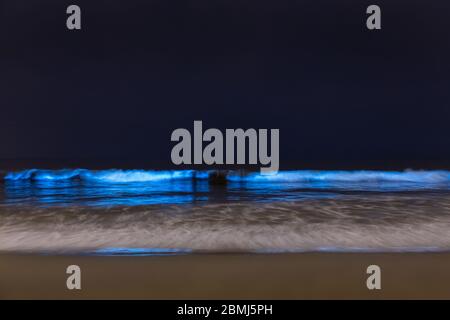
74	192
140	251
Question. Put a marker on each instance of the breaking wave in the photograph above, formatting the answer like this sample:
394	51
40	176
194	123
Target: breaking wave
104	175
118	176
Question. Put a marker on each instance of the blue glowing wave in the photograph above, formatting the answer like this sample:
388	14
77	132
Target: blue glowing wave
105	175
126	176
436	176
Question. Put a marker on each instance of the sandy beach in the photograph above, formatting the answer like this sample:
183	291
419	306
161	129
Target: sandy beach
228	276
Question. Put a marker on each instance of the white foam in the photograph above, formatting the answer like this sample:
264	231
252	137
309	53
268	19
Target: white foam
374	224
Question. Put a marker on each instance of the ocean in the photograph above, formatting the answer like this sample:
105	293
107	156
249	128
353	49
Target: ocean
144	212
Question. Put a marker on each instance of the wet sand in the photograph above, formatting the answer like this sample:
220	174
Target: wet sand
228	276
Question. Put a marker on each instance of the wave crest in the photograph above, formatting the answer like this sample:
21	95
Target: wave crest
112	175
117	176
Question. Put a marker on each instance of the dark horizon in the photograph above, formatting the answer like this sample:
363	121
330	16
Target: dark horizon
7	165
109	95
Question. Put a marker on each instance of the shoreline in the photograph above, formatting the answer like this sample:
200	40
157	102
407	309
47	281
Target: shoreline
227	276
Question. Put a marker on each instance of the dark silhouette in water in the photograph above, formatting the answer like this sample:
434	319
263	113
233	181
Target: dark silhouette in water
218	178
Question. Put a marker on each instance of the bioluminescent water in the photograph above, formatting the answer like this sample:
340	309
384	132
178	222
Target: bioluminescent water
138	212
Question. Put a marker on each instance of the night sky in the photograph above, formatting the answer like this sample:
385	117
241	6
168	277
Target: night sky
110	94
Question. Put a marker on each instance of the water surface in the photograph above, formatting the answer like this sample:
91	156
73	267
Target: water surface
170	212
